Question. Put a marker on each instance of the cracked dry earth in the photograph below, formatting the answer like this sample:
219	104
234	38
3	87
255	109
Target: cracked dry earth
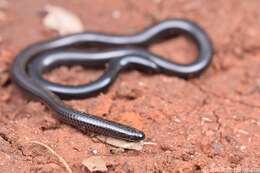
207	124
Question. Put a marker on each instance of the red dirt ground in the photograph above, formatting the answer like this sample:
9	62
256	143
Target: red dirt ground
212	129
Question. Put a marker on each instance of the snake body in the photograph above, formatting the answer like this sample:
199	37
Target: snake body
129	50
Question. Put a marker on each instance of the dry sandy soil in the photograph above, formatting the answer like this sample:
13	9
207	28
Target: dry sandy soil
214	128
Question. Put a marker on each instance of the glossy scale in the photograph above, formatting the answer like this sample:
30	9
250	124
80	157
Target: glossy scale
124	51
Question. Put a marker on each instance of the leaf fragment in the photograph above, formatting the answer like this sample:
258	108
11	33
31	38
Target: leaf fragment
95	163
61	20
124	144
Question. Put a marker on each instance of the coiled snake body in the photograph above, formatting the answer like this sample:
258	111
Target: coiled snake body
31	62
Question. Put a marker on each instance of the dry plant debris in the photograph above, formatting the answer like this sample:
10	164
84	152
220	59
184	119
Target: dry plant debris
62	20
124	144
65	164
95	163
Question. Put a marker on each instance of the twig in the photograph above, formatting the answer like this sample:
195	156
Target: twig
65	164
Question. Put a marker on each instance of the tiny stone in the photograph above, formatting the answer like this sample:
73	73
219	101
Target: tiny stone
140	83
242	131
243	147
94	152
116	14
177	120
205	119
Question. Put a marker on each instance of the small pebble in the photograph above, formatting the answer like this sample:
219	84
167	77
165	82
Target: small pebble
205	119
94	152
242	131
116	14
177	120
242	147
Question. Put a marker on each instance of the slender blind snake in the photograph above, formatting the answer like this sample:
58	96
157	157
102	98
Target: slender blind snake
124	51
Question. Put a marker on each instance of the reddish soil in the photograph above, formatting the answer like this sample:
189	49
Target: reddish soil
212	129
